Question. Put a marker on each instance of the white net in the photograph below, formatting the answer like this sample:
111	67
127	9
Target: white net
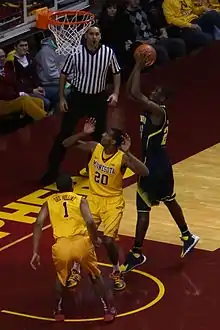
70	29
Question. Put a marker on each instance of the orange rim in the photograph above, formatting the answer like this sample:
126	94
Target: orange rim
53	21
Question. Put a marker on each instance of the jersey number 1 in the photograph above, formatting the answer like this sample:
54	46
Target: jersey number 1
65	210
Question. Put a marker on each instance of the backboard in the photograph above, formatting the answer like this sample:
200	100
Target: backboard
18	16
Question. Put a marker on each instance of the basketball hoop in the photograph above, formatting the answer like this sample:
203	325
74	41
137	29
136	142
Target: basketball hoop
68	27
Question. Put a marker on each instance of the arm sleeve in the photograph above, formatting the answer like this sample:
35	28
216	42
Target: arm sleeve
49	66
198	10
68	66
170	15
114	65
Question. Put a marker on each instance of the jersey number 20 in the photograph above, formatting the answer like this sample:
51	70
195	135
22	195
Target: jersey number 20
101	178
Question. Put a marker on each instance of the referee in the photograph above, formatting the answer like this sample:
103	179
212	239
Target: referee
88	98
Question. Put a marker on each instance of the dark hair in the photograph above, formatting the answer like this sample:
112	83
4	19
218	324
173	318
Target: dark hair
64	183
110	3
95	25
17	42
117	136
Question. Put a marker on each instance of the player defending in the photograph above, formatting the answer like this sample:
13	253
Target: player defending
159	185
107	166
75	233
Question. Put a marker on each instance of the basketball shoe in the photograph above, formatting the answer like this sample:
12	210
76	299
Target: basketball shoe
73	279
189	242
110	314
133	260
118	280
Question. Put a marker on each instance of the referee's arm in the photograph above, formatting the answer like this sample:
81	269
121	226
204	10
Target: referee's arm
116	71
65	72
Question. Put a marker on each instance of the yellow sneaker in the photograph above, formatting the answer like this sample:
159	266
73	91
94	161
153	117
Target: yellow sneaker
118	280
73	279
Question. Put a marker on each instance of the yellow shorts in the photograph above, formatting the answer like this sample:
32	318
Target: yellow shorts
79	249
108	211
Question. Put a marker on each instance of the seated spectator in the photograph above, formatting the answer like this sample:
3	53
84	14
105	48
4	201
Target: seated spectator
210	4
2	62
196	25
49	65
20	67
11	101
116	29
166	48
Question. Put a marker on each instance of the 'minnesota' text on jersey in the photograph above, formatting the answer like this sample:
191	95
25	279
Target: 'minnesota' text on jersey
105	175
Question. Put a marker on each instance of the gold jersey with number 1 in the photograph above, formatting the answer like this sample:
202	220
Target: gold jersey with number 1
65	215
105	175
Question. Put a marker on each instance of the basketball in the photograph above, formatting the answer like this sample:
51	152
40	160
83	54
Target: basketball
148	51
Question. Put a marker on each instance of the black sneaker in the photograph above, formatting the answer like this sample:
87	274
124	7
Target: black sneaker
133	260
189	242
58	312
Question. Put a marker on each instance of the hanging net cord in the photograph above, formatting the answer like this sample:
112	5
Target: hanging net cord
68	35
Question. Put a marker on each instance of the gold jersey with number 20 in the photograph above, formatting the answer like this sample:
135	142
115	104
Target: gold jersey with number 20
105	175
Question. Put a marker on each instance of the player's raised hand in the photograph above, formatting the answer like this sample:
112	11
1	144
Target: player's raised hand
126	144
35	261
89	126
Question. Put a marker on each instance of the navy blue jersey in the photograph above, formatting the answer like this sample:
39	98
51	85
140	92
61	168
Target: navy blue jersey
153	141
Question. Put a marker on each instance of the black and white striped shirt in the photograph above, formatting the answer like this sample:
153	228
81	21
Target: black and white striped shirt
90	68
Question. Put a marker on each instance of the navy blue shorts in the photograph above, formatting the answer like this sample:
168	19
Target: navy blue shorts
155	188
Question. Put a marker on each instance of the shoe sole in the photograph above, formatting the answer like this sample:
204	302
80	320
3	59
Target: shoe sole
121	288
139	264
191	247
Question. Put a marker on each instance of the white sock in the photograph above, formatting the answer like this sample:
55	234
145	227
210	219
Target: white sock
116	268
76	266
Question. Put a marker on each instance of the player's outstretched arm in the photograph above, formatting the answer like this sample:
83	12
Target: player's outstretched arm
87	216
135	91
75	139
130	161
43	214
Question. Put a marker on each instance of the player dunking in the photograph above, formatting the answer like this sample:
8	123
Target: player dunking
158	186
75	233
108	163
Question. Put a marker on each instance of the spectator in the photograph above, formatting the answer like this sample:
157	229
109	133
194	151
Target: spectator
210	4
166	48
21	68
116	29
11	101
49	65
2	62
196	25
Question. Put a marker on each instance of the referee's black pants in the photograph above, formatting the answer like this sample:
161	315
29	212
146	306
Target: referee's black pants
80	105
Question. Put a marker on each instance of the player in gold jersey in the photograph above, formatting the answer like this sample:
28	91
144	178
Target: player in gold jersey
107	165
75	234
